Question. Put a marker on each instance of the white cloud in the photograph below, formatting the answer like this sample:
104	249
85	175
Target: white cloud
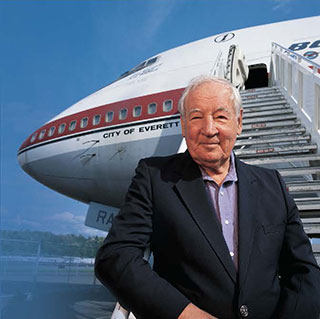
157	14
69	223
67	217
284	5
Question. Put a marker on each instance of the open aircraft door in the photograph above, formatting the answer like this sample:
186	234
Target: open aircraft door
237	70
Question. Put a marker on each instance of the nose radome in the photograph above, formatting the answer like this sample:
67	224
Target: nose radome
24	162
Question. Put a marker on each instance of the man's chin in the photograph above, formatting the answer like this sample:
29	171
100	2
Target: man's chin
210	146
213	160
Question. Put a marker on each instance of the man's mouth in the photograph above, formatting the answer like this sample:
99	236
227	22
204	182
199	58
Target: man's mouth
210	143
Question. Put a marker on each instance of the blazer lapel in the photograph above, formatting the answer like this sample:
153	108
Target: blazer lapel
194	195
248	197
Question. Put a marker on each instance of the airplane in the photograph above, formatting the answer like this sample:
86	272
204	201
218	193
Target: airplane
89	151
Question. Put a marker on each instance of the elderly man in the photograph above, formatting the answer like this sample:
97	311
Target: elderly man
226	237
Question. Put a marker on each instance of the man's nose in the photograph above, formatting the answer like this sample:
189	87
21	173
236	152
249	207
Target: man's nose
209	127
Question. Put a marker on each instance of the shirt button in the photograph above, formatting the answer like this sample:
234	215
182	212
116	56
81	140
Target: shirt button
221	193
227	222
231	253
244	311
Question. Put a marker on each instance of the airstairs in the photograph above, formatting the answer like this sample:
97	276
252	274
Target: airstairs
273	136
281	131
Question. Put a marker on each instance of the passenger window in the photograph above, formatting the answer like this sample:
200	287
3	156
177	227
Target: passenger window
123	114
109	117
72	125
33	137
84	122
137	111
152	108
41	135
51	131
167	106
96	119
61	128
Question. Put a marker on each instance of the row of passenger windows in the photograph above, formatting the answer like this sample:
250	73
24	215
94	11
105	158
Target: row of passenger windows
122	115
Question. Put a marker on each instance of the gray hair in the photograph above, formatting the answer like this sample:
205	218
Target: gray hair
199	80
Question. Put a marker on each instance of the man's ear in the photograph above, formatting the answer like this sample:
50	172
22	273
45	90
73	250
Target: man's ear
239	128
182	126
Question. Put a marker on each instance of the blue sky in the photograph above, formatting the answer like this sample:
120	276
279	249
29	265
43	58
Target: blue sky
53	53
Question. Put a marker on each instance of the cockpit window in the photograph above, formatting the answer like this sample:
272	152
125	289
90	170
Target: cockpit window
140	66
151	61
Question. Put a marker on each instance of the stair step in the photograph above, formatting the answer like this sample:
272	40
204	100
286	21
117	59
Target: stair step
258	103
283	159
276	150
264	125
261	97
316	248
306	199
310	186
267	113
259	90
257	141
265	108
316	251
269	119
295	131
312	227
296	171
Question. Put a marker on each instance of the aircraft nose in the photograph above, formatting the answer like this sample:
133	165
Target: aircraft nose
24	161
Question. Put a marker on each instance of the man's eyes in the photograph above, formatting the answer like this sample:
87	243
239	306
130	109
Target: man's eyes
219	117
195	117
224	117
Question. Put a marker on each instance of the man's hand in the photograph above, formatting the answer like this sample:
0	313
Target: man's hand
193	312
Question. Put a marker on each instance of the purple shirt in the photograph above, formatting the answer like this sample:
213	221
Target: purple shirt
225	203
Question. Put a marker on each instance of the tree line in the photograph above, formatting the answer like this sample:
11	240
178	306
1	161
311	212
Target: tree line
47	244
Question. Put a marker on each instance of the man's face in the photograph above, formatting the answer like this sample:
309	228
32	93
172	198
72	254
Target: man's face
210	124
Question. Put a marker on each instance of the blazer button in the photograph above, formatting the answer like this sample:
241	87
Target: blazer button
244	312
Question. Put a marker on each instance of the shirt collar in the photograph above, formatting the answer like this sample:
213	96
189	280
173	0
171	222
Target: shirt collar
231	176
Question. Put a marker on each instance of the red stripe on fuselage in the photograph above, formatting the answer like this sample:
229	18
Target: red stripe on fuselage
144	101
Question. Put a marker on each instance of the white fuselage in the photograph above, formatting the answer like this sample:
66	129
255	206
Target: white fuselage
93	160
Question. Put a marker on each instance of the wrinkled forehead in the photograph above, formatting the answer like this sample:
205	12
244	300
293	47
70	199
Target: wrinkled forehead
210	91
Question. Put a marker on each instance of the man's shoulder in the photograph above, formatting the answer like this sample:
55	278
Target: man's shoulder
169	168
169	163
160	161
257	171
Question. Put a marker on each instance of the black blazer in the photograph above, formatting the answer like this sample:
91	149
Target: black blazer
167	209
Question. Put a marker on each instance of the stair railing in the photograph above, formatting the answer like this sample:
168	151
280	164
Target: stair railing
299	79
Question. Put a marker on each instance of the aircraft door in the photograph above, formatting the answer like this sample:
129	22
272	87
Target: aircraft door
237	70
